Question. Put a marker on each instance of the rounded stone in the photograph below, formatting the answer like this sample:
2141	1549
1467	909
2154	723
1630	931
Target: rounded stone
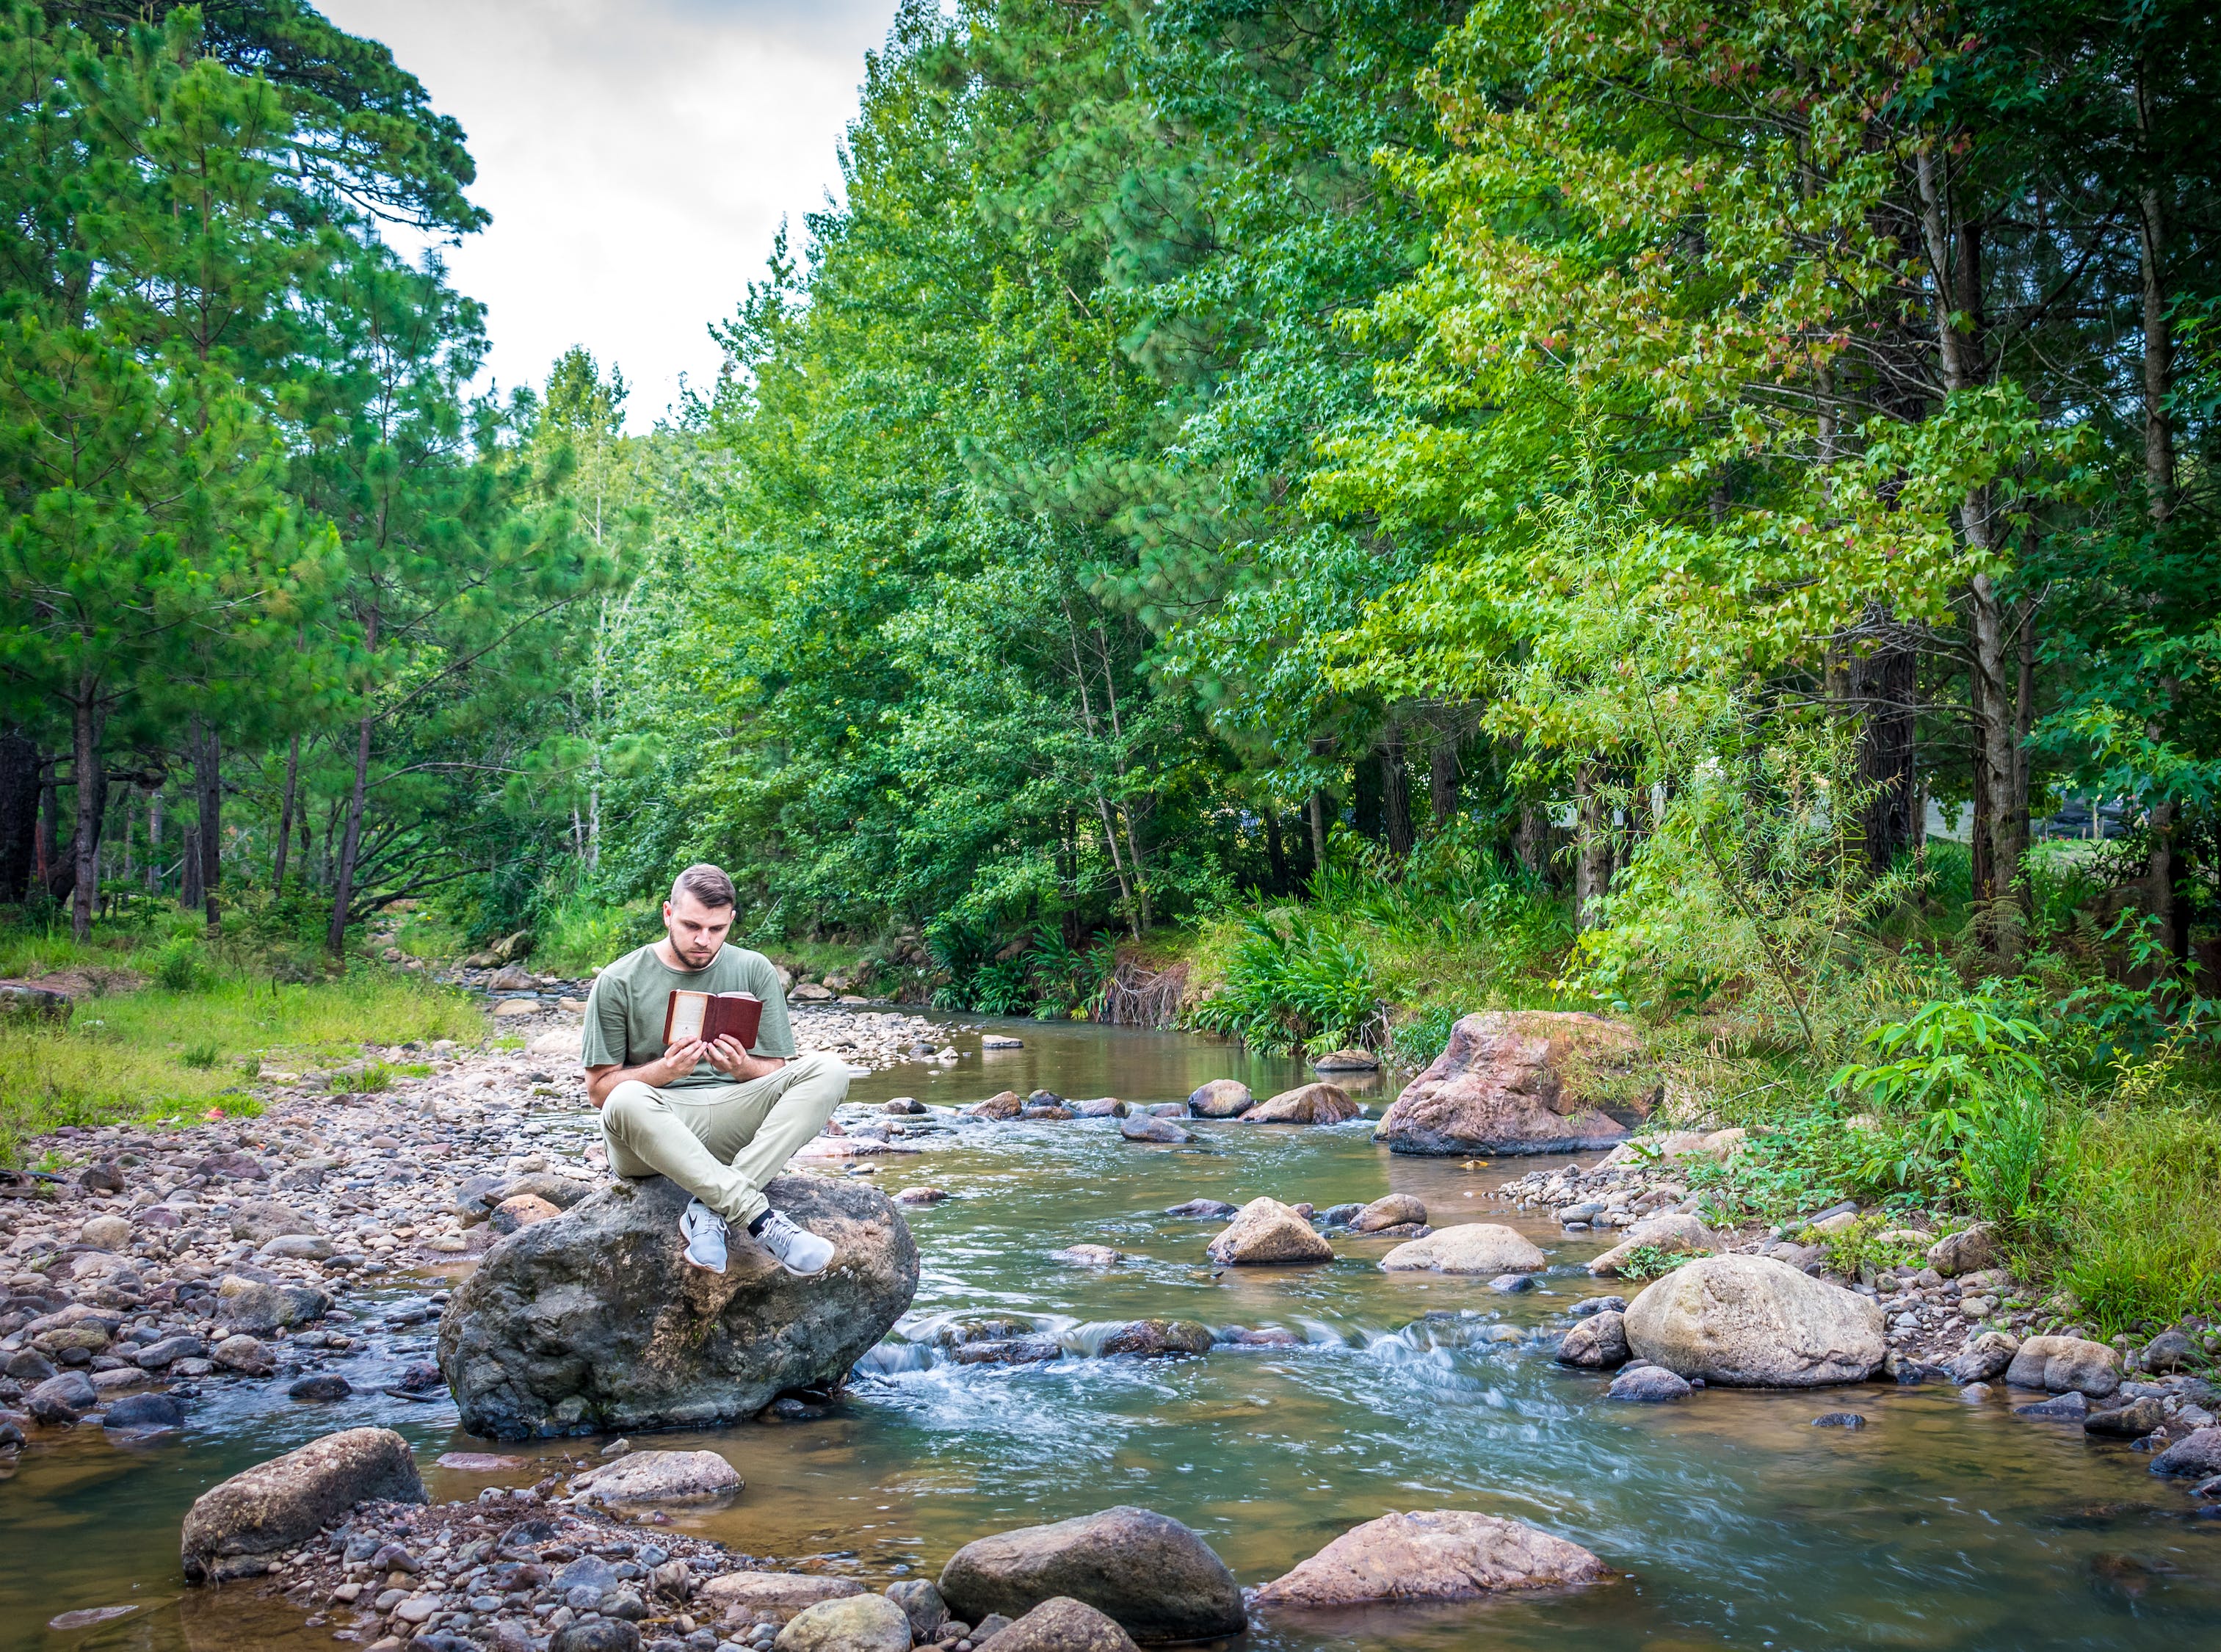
1157	1579
1755	1323
1484	1247
861	1622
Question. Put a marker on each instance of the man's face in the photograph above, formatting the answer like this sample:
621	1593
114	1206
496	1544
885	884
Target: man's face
696	931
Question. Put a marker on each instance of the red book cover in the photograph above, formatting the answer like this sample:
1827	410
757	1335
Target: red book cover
712	1016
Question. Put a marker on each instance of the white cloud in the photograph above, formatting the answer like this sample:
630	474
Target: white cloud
636	158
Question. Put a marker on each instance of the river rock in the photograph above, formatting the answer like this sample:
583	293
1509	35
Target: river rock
1675	1231
921	1602
2199	1454
590	1322
259	1220
2171	1350
1265	1230
1147	1127
1970	1252
156	1356
772	1597
1087	1256
1159	1579
2130	1422
250	1308
1158	1338
243	1354
143	1413
1439	1554
1483	1247
1648	1384
106	1233
28	1005
62	1399
859	1622
521	1210
1390	1211
2059	1364
1309	1103
1217	1209
1060	1625
1099	1107
1221	1098
1753	1321
1346	1060
2072	1406
1983	1357
1598	1343
1007	1104
321	1387
298	1246
586	1634
643	1477
1516	1081
236	1527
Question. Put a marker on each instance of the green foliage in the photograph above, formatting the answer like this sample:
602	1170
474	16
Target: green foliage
371	1079
1288	984
1649	1262
178	964
202	1056
2138	1242
1425	1035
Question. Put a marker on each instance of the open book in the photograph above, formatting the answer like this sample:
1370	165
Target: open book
712	1016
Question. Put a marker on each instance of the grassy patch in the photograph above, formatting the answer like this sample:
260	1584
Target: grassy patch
161	1053
2139	1240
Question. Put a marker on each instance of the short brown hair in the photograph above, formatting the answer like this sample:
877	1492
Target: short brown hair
707	883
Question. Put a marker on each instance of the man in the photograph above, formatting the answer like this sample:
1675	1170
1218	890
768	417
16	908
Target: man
719	1120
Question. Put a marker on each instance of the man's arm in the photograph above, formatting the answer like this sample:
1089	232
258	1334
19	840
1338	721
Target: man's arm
666	1069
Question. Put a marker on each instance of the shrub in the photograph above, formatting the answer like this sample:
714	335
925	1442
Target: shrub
178	966
1426	1035
202	1056
1300	987
2138	1237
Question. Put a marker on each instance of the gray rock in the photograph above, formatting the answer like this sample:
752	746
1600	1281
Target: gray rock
2171	1350
1221	1098
596	1634
1588	1305
1439	1555
922	1604
1515	1081
1156	1578
1752	1321
156	1356
2199	1454
1390	1211
1147	1127
135	1413
2061	1363
235	1528
1216	1209
2130	1422
861	1622
559	1190
1311	1104
30	1367
1965	1253
590	1323
479	1194
1100	1107
248	1307
1597	1344
1264	1232
323	1386
62	1399
1153	1339
1511	1284
646	1477
1648	1383
987	1628
2069	1407
1983	1357
1839	1420
259	1220
243	1354
1060	1625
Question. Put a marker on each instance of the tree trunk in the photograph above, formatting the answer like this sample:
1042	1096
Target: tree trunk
1442	778
52	873
285	816
1531	839
1365	790
208	782
1317	811
1275	855
90	774
189	896
19	814
1593	846
1396	795
351	843
154	835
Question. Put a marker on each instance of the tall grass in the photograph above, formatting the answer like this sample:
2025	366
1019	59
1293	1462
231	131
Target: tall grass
2140	1238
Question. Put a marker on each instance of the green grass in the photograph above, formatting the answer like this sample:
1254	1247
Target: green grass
123	1056
2139	1240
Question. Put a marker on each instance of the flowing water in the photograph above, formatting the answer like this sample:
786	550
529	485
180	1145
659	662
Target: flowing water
1731	1522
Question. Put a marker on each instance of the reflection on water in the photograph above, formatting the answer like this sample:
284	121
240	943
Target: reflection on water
1733	1522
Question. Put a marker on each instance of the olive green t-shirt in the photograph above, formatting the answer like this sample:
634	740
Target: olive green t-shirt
625	1010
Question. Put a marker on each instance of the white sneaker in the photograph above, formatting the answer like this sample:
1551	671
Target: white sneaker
798	1250
704	1229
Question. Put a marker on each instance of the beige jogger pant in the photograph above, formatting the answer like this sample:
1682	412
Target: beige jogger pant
723	1142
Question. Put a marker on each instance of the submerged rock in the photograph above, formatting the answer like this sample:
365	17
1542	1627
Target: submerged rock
1484	1247
591	1322
235	1528
1147	1127
2059	1364
1515	1081
1441	1555
1752	1321
1158	1338
1214	1208
1309	1103
1266	1231
1156	1578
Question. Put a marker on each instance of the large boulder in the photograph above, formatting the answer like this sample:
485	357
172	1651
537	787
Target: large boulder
643	1477
1517	1081
1061	1625
1266	1230
1309	1103
235	1529
1439	1554
1755	1323
2065	1365
1673	1232
1159	1579
589	1321
1483	1247
1221	1098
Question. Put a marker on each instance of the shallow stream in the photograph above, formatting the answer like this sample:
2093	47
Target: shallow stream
1731	1521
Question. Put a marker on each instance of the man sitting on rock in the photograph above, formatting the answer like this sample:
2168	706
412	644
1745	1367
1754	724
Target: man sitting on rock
719	1120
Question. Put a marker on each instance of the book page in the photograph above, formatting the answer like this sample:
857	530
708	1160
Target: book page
688	1009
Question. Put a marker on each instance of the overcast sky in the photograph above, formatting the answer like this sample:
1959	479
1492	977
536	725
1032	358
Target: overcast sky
636	155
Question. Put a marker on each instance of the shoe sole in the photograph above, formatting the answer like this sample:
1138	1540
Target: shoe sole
686	1251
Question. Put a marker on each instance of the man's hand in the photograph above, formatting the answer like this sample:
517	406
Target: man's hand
730	1057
